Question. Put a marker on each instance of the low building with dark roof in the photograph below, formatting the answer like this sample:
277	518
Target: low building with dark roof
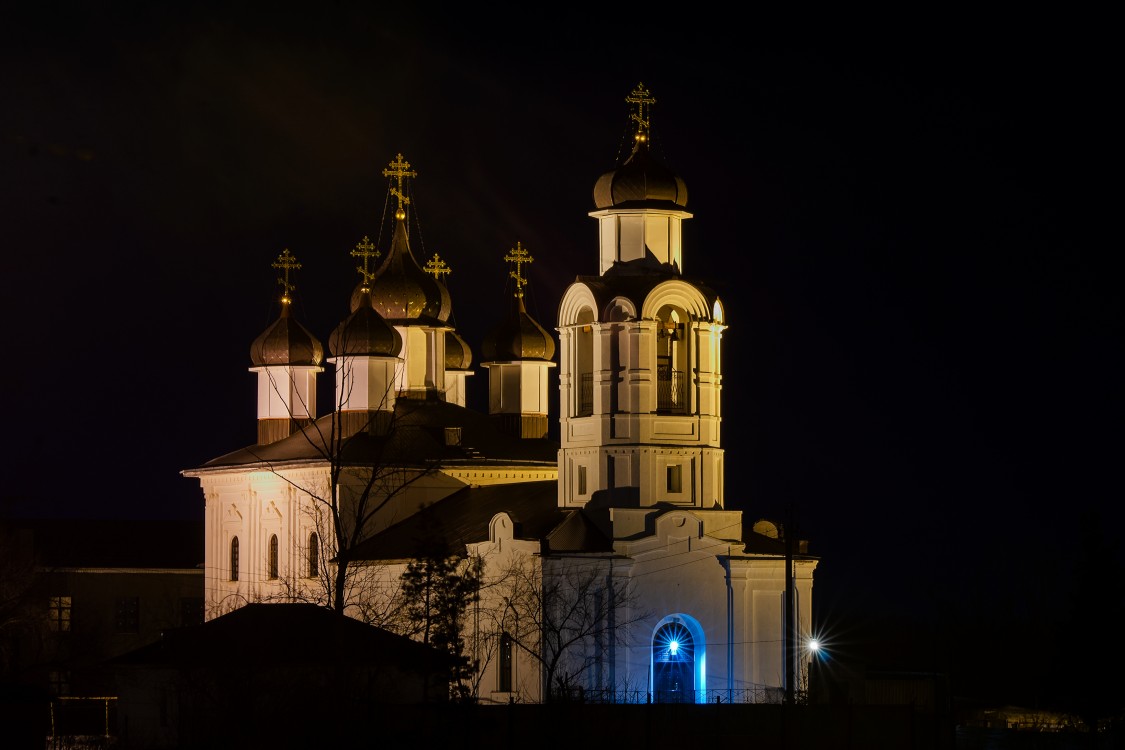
267	675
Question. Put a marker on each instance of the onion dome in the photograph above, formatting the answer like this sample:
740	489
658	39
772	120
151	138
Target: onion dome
458	356
286	342
365	333
402	292
518	337
642	181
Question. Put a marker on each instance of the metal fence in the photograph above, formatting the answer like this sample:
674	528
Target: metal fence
83	723
757	694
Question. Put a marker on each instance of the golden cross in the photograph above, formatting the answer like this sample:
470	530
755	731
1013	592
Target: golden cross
399	169
365	249
438	267
518	256
641	97
285	262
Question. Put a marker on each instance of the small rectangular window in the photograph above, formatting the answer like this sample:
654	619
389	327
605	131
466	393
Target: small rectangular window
452	435
675	479
581	480
59	681
58	612
128	618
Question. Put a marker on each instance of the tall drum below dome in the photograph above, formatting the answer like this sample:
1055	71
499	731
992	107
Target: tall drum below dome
518	353
286	358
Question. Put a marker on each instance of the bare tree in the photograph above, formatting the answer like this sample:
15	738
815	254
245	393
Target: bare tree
566	614
368	474
369	466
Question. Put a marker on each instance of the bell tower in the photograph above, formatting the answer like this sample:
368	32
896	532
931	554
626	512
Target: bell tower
640	368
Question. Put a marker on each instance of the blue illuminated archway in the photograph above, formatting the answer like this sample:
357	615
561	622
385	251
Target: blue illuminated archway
678	668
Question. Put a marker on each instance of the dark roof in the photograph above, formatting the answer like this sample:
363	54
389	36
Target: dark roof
463	518
85	543
262	631
761	544
417	438
577	533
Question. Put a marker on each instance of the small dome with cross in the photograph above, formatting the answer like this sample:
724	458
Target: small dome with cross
286	341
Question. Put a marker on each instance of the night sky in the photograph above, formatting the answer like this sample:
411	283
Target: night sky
901	215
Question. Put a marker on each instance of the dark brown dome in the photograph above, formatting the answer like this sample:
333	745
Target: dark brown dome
402	292
365	333
641	181
518	337
286	342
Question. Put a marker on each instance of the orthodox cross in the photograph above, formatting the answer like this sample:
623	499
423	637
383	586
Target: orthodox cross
285	262
518	256
365	249
400	170
642	98
438	267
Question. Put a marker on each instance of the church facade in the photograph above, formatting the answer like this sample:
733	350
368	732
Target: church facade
606	562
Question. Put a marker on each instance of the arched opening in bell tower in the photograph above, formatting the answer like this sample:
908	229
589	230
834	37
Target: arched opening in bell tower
671	360
584	364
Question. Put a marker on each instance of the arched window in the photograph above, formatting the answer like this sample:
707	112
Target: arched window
314	556
234	559
273	557
505	663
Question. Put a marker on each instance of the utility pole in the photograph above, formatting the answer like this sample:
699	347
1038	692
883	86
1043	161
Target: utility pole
789	626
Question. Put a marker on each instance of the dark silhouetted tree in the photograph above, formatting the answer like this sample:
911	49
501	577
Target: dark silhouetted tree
437	590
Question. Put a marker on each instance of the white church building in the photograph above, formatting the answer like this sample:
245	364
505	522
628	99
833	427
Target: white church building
609	564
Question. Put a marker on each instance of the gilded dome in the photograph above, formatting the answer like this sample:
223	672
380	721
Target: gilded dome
286	342
402	292
518	337
642	181
365	333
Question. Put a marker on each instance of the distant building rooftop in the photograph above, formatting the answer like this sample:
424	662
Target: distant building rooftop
86	543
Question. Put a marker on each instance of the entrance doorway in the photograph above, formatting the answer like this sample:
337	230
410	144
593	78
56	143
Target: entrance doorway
673	664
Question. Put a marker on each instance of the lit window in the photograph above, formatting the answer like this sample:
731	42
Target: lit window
675	479
58	610
314	556
273	557
128	614
234	559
